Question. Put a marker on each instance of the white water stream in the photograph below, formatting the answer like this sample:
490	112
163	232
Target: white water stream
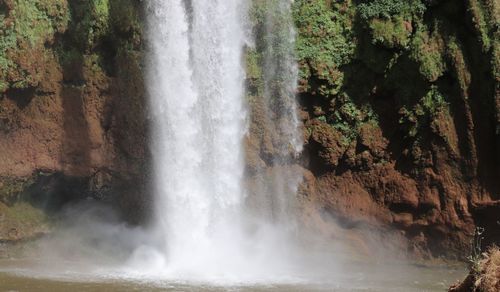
197	98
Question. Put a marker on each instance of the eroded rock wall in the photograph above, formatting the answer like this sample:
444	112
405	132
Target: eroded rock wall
400	109
72	106
400	105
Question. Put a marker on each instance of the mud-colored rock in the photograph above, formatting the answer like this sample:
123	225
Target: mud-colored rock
404	130
72	106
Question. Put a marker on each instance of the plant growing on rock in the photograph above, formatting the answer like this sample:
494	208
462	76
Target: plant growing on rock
325	42
422	113
476	253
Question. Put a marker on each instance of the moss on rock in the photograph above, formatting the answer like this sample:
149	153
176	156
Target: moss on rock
325	42
422	74
26	28
428	49
391	33
11	188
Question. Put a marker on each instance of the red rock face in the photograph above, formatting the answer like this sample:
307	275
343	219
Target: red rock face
436	200
88	130
360	185
403	138
72	108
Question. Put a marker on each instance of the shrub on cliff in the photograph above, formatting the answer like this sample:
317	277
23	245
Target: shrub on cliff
390	21
325	42
26	27
33	33
389	8
485	276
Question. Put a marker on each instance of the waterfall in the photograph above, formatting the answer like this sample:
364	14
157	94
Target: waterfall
196	85
276	184
280	72
280	83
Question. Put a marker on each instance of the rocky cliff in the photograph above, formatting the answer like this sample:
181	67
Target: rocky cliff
402	106
72	122
399	100
401	110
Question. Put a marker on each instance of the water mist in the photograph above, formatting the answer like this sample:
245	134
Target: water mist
278	180
199	118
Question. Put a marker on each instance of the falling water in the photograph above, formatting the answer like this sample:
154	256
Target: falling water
197	99
195	84
281	77
278	181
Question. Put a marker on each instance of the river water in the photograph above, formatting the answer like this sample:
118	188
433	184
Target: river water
18	275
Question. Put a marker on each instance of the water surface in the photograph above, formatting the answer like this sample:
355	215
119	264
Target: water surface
23	275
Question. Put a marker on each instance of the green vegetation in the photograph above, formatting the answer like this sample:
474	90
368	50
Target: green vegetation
483	27
253	68
389	8
325	42
90	21
37	21
347	117
390	21
31	30
126	21
405	61
253	61
428	51
423	112
484	266
476	251
25	214
11	189
461	71
23	220
24	31
391	33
